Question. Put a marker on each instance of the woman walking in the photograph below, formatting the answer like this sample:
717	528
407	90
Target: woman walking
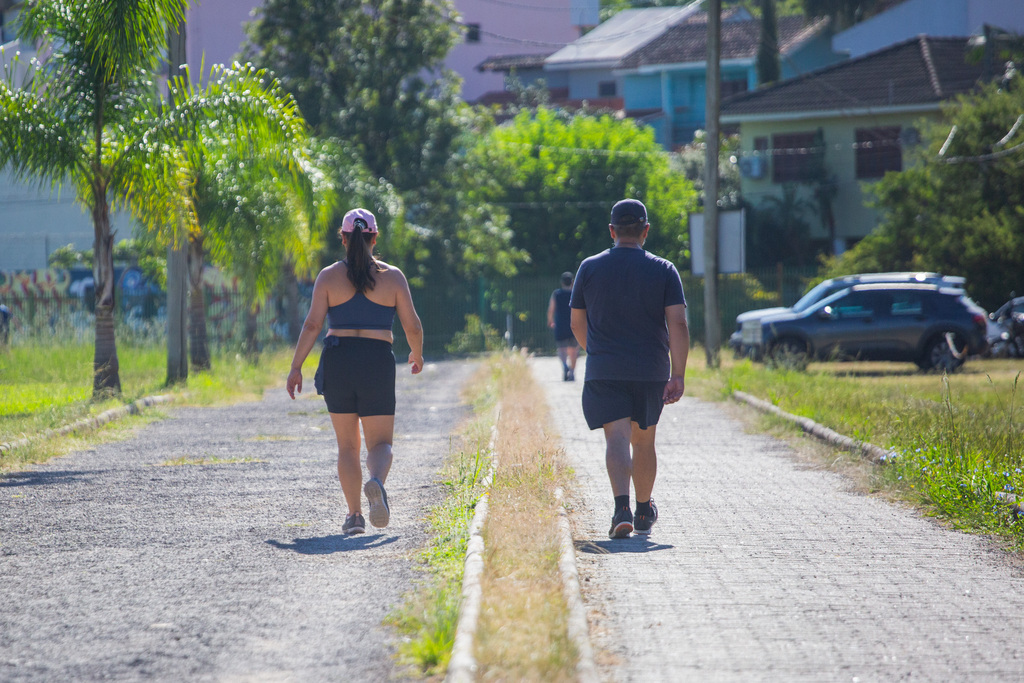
360	297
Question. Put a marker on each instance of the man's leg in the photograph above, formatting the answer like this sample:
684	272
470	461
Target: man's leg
616	455
619	466
645	461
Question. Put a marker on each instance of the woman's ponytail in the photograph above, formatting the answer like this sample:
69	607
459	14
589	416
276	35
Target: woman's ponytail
359	259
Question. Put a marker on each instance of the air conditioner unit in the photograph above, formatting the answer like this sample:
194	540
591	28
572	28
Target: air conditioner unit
752	167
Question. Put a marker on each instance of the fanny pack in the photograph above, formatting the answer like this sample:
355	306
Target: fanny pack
330	341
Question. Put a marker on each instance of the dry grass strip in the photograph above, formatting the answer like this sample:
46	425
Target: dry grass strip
523	630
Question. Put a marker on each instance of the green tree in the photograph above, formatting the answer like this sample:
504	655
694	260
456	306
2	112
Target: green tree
844	13
244	143
84	118
769	69
557	174
369	73
958	210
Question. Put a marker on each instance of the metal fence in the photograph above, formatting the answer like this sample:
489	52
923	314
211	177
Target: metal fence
457	317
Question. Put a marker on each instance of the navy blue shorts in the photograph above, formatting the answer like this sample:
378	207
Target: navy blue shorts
357	375
608	400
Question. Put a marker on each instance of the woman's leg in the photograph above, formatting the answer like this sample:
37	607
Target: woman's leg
379	433
350	473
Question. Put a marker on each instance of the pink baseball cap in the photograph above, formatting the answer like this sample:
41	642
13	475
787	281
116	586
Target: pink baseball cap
357	216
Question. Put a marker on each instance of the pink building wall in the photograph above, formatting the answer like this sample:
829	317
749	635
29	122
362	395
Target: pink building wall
215	30
508	28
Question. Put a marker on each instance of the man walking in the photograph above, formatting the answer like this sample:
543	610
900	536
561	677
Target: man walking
559	320
629	315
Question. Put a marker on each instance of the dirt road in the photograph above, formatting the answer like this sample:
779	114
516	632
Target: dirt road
125	563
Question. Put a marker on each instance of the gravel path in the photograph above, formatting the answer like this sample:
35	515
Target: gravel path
113	567
762	568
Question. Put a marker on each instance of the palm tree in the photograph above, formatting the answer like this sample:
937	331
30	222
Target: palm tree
93	115
85	118
257	175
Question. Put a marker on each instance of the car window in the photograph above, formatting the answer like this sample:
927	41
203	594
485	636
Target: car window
819	292
855	305
906	303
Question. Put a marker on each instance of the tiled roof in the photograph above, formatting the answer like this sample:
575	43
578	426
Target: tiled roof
687	42
508	62
923	70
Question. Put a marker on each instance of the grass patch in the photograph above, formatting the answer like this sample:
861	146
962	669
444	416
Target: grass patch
44	388
428	617
959	438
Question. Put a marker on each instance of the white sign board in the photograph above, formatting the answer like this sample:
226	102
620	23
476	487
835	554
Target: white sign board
732	254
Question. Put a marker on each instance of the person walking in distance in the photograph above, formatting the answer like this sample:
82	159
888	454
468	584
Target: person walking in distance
558	320
360	297
629	315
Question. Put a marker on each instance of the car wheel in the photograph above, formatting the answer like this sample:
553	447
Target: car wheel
1017	347
790	354
944	353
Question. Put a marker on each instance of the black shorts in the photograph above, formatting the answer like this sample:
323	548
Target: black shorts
357	375
566	343
608	400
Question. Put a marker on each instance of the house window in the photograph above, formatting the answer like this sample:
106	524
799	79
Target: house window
796	157
472	33
606	89
733	87
878	151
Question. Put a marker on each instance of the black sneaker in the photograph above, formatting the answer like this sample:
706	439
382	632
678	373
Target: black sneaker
379	512
642	523
354	524
622	524
570	376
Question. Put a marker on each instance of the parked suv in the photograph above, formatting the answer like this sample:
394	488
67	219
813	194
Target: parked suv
935	327
828	288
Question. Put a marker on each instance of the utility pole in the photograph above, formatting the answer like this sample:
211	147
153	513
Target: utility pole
712	322
177	251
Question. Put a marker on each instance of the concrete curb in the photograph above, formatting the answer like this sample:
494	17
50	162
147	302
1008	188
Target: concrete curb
462	665
91	422
579	632
877	455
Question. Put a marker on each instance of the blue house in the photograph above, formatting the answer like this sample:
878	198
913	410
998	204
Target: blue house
651	64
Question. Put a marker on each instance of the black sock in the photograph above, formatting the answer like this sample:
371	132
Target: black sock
644	508
622	502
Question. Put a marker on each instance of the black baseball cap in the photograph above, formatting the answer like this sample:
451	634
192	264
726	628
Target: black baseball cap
629	212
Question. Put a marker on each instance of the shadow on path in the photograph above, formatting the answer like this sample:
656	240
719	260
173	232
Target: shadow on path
335	543
45	477
633	544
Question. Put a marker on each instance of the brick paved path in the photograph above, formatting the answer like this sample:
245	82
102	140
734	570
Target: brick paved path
762	568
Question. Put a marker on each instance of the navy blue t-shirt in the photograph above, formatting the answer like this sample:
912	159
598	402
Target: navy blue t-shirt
562	316
625	292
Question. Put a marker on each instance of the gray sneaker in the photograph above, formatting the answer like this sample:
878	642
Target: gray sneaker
379	512
642	523
354	524
622	524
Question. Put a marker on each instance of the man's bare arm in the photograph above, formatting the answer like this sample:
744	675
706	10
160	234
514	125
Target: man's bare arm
578	323
679	350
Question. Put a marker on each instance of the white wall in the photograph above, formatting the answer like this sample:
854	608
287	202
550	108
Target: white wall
34	222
